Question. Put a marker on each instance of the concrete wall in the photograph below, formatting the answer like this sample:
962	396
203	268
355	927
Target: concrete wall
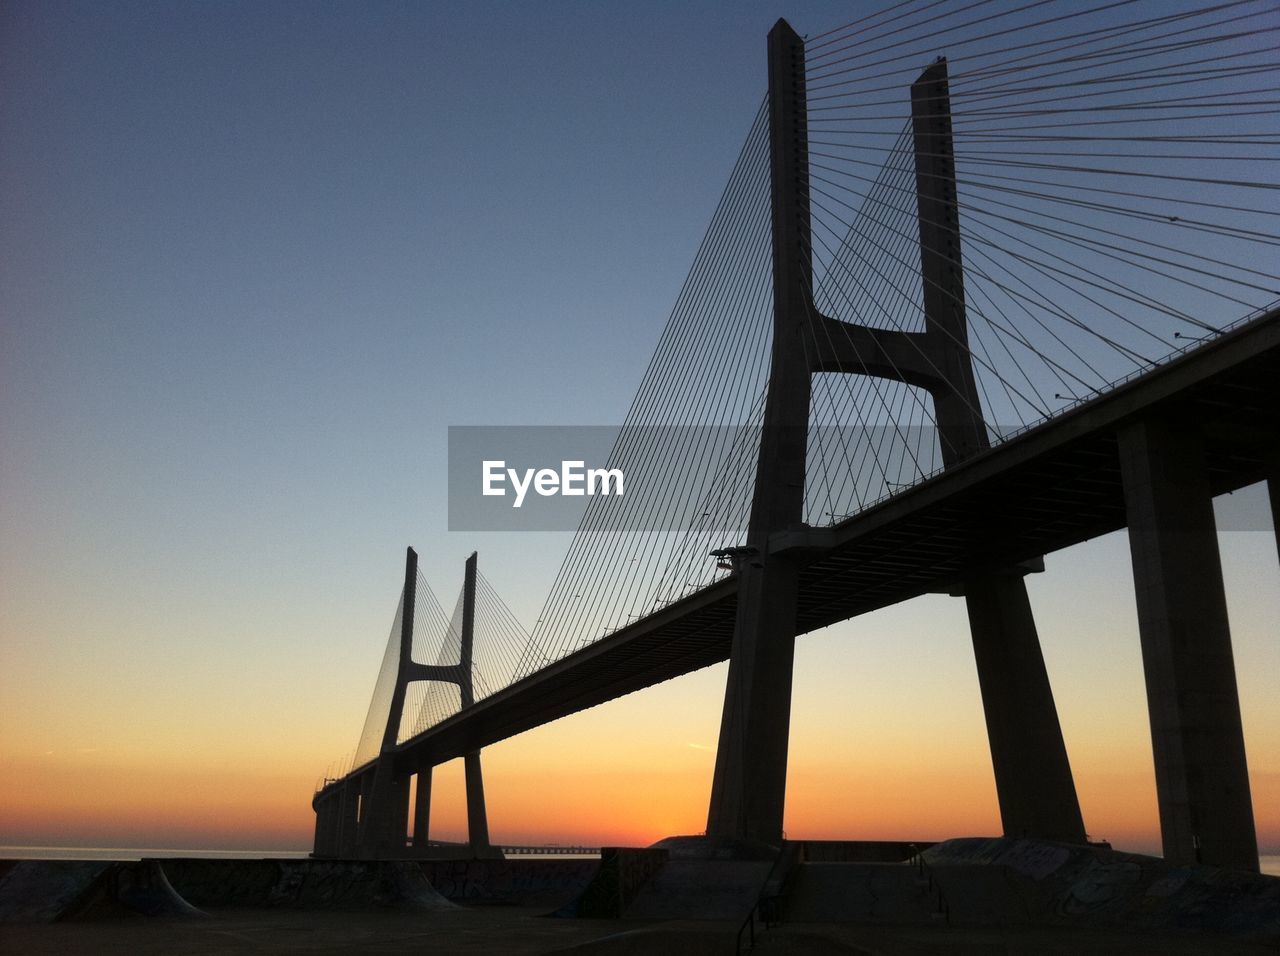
1095	886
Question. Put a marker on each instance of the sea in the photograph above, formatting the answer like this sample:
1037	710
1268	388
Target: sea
138	853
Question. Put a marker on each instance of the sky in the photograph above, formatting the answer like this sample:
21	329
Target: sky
255	259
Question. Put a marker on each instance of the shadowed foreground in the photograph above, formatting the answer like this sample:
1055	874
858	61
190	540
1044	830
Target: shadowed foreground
972	895
519	931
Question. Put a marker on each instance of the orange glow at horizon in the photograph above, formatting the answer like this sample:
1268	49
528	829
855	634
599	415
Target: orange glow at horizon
102	804
888	741
609	806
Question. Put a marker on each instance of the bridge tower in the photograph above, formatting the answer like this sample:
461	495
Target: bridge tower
383	821
384	806
1033	777
462	675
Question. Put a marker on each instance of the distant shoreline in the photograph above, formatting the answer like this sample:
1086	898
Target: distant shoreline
1269	863
14	852
127	854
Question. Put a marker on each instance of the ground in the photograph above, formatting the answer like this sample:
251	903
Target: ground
517	931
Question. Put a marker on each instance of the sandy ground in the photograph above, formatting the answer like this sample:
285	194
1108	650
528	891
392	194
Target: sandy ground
523	931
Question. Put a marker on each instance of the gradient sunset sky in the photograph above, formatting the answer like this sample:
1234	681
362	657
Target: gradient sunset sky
255	258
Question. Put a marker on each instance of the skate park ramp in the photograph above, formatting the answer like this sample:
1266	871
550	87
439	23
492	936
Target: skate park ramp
305	884
46	891
541	883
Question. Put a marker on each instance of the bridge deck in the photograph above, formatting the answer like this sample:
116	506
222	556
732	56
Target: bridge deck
1050	487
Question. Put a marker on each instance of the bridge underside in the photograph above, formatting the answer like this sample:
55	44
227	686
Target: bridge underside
1047	489
1053	487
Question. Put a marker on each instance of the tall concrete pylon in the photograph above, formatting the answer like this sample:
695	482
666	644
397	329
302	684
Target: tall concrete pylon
1033	777
1197	737
748	789
1034	785
384	809
384	816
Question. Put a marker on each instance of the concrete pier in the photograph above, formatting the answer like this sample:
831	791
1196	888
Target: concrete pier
422	807
749	786
477	816
1202	778
1034	785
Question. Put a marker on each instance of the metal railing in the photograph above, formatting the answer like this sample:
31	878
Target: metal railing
767	910
942	909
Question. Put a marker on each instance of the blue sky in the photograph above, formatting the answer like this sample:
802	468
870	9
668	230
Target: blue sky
257	257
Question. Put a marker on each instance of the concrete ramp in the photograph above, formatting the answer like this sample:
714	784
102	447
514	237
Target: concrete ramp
1063	884
677	938
549	883
969	895
306	884
985	895
226	883
39	891
700	890
670	881
45	891
620	875
384	885
858	893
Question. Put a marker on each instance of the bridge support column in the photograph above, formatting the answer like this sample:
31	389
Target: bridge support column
1036	791
348	818
749	786
325	844
1202	779
327	828
748	791
1034	785
364	833
422	808
335	825
384	815
385	821
320	846
477	816
332	846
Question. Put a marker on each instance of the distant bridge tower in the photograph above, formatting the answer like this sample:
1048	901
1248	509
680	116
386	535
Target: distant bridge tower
1033	777
367	815
461	674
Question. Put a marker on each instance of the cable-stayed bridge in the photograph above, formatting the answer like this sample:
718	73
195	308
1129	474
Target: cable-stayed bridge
984	283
